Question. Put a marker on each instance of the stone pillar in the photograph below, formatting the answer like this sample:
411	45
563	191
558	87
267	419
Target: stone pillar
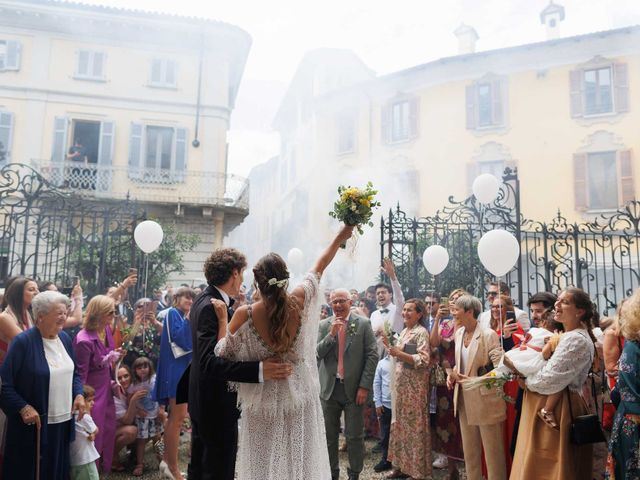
218	228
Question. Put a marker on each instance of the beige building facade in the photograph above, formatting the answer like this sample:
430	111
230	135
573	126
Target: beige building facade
148	98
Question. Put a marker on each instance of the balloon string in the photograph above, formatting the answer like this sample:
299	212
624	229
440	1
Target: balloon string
146	273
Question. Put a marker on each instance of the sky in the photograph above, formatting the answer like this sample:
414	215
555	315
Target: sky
387	38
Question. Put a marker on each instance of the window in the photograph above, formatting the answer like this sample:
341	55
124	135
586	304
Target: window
346	133
157	153
600	88
486	104
90	65
6	131
598	94
603	180
399	121
163	73
9	55
495	168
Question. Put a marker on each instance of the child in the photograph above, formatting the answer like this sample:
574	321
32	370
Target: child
82	451
526	359
382	400
149	418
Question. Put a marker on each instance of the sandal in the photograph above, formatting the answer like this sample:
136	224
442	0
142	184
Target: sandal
138	471
548	418
116	467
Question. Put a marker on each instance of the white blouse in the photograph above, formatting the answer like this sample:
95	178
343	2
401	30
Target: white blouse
60	380
568	366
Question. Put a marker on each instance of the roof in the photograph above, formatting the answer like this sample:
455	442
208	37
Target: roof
128	12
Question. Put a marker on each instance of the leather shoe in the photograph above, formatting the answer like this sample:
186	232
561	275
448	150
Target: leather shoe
354	476
382	466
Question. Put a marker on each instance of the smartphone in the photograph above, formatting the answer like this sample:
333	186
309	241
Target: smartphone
75	281
66	291
511	316
133	271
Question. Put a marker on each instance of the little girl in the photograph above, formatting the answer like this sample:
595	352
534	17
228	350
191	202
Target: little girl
82	452
149	419
526	359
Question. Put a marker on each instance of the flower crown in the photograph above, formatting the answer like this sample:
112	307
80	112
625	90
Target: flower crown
278	283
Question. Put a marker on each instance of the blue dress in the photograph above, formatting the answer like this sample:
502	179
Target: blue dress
624	448
170	369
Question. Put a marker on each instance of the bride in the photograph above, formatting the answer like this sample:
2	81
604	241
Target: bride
282	433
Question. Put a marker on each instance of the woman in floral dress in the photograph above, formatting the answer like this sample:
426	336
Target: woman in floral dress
410	438
623	462
446	436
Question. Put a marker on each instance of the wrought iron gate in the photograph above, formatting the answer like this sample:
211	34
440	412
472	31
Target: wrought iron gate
602	257
49	234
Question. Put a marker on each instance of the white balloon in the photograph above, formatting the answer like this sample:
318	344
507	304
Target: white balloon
295	259
435	259
486	187
148	236
498	251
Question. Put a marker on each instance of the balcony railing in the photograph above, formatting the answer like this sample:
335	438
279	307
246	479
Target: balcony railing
147	185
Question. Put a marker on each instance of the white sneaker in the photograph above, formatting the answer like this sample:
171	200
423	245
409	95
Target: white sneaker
441	461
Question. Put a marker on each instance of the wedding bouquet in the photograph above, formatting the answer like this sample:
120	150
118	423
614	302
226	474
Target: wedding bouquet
492	380
355	206
392	337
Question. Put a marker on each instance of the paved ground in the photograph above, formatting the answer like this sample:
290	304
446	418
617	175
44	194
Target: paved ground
151	464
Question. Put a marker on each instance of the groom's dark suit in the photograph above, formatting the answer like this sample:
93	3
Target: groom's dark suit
212	407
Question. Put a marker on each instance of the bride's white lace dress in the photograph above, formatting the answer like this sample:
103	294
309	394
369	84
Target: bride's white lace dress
282	433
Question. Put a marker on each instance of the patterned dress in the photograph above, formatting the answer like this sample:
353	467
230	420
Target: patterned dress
623	462
410	439
446	434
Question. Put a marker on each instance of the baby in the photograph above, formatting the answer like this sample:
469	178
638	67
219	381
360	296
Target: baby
528	358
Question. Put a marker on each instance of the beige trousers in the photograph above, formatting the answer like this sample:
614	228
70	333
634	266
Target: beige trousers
477	437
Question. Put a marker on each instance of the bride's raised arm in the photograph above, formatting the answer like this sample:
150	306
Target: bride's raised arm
326	257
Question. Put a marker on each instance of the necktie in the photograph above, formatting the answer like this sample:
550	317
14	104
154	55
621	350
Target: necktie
229	309
342	337
384	310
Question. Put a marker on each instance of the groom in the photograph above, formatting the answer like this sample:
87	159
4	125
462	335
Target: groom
347	358
212	407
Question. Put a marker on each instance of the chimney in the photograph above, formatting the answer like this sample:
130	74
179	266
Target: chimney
467	37
551	17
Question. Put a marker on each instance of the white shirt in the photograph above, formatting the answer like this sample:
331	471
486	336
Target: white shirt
522	318
81	450
394	314
464	357
60	380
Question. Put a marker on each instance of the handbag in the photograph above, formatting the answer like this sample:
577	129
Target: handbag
608	406
585	429
438	376
176	349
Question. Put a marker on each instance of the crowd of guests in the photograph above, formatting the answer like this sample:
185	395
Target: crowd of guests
87	388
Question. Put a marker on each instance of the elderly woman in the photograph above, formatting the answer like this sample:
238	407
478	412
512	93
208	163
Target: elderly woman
95	357
481	411
543	452
176	331
624	455
410	438
41	389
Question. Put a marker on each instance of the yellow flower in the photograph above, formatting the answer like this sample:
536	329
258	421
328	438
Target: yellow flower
365	202
492	373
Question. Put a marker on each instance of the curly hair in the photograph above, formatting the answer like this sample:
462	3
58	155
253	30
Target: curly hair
219	266
630	316
280	306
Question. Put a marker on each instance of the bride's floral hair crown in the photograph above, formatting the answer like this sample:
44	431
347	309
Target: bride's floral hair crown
278	283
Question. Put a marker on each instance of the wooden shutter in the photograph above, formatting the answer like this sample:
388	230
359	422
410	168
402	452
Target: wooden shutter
59	149
626	184
170	72
135	150
385	124
498	99
98	65
621	87
580	181
6	133
414	117
181	154
576	94
470	99
104	173
472	173
12	59
156	71
83	57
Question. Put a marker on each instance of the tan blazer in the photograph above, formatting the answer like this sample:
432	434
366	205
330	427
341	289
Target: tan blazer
482	405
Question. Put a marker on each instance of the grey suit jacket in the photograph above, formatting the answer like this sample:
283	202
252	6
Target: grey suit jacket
360	357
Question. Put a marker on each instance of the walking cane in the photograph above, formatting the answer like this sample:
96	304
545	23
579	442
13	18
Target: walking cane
37	451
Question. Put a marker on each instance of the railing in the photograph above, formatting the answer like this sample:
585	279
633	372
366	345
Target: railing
147	185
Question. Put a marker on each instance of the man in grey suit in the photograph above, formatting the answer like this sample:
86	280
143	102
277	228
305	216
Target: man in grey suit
347	359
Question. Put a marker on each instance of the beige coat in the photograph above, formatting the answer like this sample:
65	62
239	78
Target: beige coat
482	405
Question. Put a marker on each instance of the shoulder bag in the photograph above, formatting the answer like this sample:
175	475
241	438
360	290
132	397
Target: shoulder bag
176	349
585	429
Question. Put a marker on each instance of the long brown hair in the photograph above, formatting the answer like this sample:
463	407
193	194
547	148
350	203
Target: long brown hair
271	277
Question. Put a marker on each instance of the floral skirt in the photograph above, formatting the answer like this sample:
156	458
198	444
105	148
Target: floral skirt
623	461
148	427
